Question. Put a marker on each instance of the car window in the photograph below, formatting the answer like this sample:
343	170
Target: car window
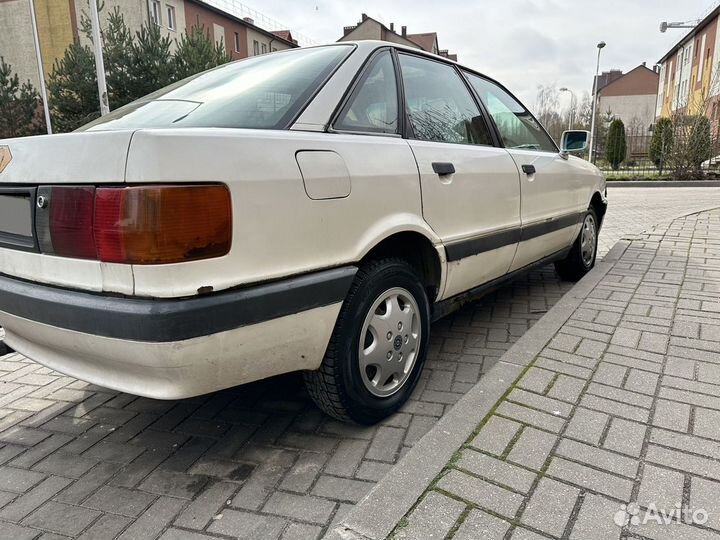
374	106
518	128
263	92
439	105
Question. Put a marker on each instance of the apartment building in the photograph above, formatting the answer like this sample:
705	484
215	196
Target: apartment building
369	28
59	25
689	76
629	96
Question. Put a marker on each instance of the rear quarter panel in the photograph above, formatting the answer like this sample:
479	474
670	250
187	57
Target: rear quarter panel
277	229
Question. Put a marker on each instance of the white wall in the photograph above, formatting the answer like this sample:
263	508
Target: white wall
269	42
16	40
630	109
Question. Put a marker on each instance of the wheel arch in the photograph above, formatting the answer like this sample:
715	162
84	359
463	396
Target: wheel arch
418	250
598	203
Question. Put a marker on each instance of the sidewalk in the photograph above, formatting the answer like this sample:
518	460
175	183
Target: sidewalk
601	422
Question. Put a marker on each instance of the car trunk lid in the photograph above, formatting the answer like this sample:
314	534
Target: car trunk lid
71	158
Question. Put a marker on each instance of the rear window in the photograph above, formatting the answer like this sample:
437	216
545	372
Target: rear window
263	92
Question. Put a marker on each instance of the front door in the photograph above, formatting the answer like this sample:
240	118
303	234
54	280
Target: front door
470	188
552	197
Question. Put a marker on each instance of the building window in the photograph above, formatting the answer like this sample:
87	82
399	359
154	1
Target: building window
264	48
256	47
237	42
171	23
155	11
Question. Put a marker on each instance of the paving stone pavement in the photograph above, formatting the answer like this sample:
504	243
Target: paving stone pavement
613	431
80	461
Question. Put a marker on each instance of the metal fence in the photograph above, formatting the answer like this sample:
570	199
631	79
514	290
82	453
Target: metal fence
637	161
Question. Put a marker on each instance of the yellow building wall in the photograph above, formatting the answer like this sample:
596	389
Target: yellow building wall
55	29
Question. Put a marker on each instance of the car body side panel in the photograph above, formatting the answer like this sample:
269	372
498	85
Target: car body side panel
479	200
278	230
557	191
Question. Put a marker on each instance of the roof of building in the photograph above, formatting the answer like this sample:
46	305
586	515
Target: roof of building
426	40
702	24
640	80
284	34
248	23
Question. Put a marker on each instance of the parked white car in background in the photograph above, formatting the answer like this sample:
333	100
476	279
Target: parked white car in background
312	209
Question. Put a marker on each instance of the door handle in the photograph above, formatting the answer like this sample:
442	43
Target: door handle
528	169
443	169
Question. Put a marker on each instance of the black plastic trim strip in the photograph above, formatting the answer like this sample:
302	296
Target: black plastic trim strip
475	246
166	320
546	227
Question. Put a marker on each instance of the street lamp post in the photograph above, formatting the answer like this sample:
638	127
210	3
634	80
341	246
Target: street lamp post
573	104
99	62
41	70
600	47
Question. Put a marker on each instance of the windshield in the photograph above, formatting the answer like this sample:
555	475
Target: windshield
263	92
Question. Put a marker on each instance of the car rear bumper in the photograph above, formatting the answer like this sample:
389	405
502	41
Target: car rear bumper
171	349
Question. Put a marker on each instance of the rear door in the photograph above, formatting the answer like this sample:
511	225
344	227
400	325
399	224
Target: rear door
551	190
470	187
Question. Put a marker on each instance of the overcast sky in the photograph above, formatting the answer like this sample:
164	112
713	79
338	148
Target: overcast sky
522	43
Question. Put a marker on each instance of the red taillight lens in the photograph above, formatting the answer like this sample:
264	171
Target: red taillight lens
142	224
71	222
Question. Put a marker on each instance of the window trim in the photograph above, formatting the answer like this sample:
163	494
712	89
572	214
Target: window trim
236	41
310	98
171	19
354	87
491	128
151	12
502	87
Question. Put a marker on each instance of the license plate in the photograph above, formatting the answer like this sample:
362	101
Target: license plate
16	220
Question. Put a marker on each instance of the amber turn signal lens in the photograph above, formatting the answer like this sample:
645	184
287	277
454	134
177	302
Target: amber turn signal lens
162	224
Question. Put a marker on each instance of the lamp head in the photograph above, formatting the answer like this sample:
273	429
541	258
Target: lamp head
601	45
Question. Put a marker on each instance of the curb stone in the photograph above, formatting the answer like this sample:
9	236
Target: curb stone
662	183
375	516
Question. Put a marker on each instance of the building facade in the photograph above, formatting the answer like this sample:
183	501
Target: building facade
369	28
631	97
689	81
59	24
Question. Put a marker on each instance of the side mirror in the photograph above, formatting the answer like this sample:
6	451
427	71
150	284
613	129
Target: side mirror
574	141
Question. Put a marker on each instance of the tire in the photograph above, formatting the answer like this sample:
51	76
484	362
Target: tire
581	258
341	387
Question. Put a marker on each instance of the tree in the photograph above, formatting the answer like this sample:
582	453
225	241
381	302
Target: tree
151	61
699	142
196	52
73	89
661	143
19	105
117	54
616	147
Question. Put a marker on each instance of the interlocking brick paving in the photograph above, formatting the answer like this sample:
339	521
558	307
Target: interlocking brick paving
632	450
260	461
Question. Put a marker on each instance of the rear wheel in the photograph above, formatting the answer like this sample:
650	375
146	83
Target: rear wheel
581	257
378	347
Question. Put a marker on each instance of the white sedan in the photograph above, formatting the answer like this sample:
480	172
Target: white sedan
311	209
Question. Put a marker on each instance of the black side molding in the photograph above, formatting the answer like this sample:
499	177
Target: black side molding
164	320
481	244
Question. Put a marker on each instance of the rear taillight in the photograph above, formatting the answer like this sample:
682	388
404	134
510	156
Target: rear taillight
137	225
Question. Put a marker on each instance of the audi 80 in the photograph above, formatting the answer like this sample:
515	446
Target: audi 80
308	210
